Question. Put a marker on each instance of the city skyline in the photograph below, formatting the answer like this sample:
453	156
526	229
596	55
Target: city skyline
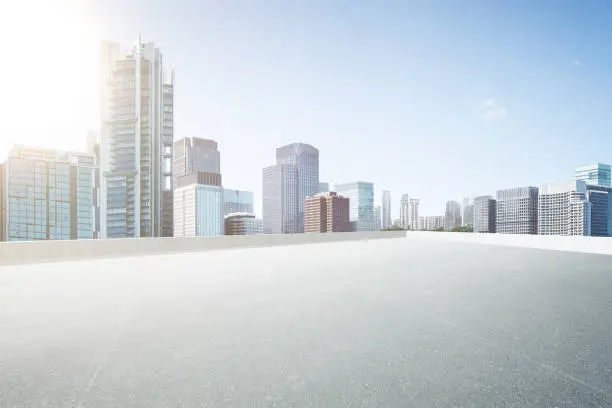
482	101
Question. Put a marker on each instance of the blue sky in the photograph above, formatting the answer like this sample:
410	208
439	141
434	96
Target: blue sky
437	99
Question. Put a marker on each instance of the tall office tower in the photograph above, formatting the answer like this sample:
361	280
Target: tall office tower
93	149
280	199
467	212
47	195
484	214
600	198
386	209
431	222
597	174
405	212
516	211
326	212
136	139
323	187
413	213
361	196
196	154
198	205
306	160
377	218
452	215
237	201
242	224
563	209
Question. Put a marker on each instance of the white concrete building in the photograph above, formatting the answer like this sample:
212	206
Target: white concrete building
413	214
386	209
404	212
563	209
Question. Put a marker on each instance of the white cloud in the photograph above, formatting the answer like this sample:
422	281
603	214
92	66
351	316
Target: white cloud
576	63
492	111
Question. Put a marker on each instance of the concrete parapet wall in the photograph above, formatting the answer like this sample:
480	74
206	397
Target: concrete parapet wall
15	253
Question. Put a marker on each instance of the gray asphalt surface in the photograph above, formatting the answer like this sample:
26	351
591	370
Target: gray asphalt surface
387	323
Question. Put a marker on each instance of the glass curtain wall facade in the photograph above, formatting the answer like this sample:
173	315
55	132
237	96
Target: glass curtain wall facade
47	195
361	204
306	160
280	199
237	201
600	198
597	174
136	143
198	211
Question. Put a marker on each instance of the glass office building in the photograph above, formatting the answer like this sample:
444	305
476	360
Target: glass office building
598	174
237	201
280	199
600	198
198	211
361	204
47	195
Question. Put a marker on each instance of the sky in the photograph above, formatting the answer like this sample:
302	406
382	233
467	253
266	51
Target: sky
436	99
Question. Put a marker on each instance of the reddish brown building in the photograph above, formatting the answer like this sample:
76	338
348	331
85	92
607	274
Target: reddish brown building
326	212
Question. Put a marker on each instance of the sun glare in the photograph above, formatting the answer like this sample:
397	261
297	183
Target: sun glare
50	75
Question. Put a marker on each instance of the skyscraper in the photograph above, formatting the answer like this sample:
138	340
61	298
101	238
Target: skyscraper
452	215
484	214
47	195
306	160
598	174
413	213
377	218
361	196
323	187
93	149
326	212
563	209
405	212
280	199
517	211
136	140
467	212
198	205
196	154
386	209
237	201
600	198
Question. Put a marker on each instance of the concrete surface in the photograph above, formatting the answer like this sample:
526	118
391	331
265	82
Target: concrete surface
15	253
378	323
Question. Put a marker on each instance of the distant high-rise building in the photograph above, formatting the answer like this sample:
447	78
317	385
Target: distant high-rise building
195	154
198	205
237	201
598	174
306	160
563	209
467	212
431	222
377	218
484	208
517	211
323	187
413	214
600	198
452	215
242	224
405	212
386	209
361	196
136	139
280	199
326	212
47	195
93	149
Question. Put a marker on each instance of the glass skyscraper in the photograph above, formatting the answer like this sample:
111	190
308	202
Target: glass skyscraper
361	204
600	198
306	160
198	211
47	195
598	174
237	201
136	143
280	199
